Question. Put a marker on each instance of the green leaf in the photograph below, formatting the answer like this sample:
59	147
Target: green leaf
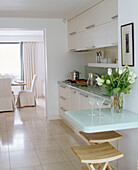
116	90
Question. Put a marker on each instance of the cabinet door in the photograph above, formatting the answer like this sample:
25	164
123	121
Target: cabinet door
84	103
73	100
94	38
86	39
111	10
72	43
100	36
112	33
63	91
63	97
95	15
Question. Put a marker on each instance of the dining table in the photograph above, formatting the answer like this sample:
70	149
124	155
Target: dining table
18	84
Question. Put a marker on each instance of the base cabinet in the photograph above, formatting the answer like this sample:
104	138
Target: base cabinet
70	99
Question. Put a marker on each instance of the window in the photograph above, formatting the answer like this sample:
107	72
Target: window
10	60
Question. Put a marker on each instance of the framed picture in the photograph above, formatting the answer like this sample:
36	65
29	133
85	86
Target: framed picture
127	44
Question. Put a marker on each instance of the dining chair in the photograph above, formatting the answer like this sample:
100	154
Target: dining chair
27	97
6	96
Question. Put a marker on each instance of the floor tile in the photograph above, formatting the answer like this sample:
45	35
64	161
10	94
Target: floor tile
18	134
69	153
23	159
51	155
30	139
3	142
30	168
68	140
20	144
59	166
4	161
43	141
33	132
77	164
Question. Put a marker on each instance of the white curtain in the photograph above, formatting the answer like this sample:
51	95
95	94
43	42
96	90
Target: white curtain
30	63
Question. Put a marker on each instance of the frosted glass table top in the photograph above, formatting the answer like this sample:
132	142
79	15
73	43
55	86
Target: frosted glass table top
111	121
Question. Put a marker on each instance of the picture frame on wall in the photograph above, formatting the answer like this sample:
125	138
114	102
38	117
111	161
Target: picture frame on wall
127	44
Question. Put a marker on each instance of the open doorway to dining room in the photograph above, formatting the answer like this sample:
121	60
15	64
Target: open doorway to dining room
21	57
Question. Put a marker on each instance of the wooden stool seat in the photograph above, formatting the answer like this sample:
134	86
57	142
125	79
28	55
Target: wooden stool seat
101	137
97	156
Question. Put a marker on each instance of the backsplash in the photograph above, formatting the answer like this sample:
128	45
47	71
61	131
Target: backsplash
99	70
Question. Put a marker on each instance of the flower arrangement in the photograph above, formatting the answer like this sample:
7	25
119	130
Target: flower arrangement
116	83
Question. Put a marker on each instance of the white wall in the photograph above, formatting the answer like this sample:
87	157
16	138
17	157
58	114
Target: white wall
40	68
59	62
128	12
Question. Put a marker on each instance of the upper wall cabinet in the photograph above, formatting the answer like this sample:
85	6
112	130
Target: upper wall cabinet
111	33
94	28
88	20
111	10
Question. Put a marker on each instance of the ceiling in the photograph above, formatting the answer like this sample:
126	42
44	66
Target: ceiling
63	9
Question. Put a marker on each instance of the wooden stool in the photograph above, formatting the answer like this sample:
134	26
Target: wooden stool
101	137
97	157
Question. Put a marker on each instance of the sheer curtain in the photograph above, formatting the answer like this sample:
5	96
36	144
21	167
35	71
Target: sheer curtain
30	64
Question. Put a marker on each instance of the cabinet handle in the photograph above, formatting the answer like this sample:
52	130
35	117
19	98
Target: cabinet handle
72	33
72	91
73	49
114	17
91	47
83	95
63	87
63	109
115	43
90	26
62	97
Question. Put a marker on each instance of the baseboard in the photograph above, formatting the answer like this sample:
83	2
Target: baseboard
53	117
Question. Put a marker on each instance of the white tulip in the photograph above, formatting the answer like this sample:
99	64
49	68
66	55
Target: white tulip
107	81
99	81
109	71
134	76
120	71
130	73
132	80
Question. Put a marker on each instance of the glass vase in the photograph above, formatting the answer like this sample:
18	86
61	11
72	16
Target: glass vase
117	103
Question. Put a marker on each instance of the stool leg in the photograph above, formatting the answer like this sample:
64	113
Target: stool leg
108	167
101	166
90	167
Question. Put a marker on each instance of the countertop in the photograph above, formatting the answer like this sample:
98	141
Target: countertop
111	121
98	91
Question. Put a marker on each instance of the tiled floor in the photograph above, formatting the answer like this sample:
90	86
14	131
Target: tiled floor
29	142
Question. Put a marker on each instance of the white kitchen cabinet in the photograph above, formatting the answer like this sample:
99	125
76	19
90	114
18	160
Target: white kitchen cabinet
93	28
73	99
94	38
85	40
63	99
90	18
111	10
100	36
72	42
70	99
95	16
84	102
111	34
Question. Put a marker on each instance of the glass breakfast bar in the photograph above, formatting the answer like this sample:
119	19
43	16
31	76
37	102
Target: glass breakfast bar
83	120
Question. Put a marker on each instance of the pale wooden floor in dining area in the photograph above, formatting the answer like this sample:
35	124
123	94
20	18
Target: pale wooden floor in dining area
29	142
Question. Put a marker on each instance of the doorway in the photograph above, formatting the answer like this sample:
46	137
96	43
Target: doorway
18	38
